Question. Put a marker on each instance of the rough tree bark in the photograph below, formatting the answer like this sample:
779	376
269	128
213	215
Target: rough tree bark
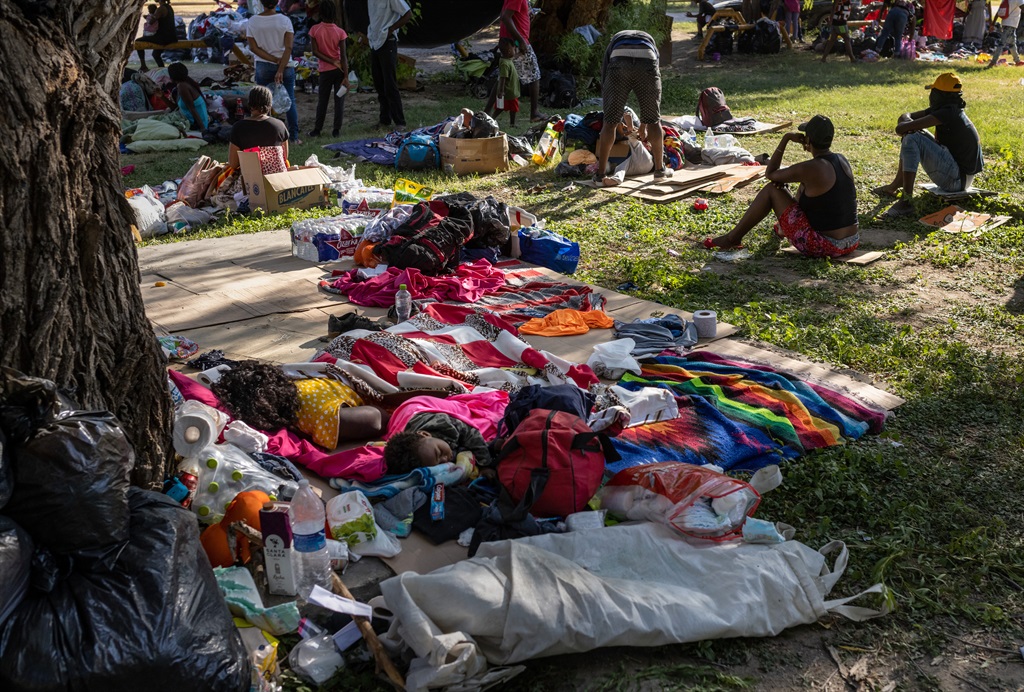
70	306
558	17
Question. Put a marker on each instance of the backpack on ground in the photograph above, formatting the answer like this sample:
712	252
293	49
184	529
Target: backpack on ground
721	41
559	456
417	152
562	397
711	107
745	42
428	241
767	37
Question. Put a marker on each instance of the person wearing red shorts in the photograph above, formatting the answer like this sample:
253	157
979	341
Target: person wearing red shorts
821	221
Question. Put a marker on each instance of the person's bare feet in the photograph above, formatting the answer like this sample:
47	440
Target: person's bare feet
885	191
609	182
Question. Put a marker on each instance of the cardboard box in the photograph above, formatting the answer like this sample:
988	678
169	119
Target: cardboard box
474	155
277	548
301	188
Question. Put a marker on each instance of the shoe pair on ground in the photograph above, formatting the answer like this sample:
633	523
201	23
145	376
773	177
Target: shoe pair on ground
904	207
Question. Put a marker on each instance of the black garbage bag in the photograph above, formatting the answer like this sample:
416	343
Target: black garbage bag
156	622
521	146
71	474
15	565
483	125
6	476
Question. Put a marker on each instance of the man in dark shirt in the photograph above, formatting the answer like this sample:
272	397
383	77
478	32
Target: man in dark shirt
951	158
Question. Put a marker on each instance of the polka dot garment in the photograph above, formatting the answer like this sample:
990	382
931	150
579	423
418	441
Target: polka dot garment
319	403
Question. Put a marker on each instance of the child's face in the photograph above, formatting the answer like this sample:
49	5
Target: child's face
433	451
506	49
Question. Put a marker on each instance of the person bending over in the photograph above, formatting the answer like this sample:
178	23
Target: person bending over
190	96
631	65
430	439
821	221
258	129
951	158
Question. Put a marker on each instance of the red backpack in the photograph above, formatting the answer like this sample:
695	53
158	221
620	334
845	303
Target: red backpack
560	456
711	108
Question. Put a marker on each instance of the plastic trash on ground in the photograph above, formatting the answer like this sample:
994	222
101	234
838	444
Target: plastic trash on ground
225	471
243	599
694	500
150	218
327	239
612	359
316	659
15	565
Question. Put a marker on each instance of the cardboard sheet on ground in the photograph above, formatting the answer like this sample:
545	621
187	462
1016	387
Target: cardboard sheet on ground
741	176
681	179
687	121
953	196
860	256
955	220
628	585
815	372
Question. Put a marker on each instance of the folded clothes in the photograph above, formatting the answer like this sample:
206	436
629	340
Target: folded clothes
652	336
567	322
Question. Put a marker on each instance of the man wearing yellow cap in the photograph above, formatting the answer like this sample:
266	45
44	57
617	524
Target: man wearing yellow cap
951	158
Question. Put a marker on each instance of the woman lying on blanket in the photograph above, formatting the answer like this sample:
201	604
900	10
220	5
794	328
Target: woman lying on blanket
327	409
821	221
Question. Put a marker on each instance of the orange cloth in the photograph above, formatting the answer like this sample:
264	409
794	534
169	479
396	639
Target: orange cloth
567	323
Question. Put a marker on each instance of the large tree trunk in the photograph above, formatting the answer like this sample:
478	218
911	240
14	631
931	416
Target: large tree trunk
70	306
558	17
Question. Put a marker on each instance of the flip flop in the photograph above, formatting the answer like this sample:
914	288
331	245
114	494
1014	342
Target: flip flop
881	191
709	244
896	210
540	119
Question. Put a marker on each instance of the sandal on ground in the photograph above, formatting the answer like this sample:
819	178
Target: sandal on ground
883	191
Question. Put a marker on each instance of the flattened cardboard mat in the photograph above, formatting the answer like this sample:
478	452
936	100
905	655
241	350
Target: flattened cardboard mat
859	256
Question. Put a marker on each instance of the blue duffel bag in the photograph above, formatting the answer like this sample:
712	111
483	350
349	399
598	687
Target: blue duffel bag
541	246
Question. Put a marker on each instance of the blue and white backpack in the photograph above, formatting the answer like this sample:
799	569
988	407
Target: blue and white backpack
417	152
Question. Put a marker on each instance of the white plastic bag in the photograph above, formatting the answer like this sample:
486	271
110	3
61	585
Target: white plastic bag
337	174
350	517
612	359
150	218
281	101
722	141
179	211
316	658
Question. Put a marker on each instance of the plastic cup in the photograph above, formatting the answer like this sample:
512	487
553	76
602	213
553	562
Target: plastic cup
342	90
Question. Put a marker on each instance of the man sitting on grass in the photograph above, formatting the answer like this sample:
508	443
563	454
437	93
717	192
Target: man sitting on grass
821	221
951	158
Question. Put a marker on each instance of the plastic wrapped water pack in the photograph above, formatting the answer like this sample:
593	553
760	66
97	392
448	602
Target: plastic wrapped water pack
327	239
225	471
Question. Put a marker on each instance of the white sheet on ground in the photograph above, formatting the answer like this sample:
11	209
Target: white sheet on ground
628	585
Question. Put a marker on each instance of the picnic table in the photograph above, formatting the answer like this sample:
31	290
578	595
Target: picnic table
741	25
189	45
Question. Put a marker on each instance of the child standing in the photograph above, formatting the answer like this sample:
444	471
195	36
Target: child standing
507	91
149	28
837	24
793	19
329	47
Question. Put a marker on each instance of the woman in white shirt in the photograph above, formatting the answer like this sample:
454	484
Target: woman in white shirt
270	39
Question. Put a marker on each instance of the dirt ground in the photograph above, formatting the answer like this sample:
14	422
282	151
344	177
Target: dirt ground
872	658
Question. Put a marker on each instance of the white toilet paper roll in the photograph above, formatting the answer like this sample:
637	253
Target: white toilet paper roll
706	322
209	377
193	432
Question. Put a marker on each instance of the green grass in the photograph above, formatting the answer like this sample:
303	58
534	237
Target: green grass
932	508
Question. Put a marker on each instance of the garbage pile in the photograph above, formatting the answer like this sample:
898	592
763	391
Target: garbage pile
103	586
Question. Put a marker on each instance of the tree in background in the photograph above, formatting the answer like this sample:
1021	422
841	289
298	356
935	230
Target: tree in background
70	305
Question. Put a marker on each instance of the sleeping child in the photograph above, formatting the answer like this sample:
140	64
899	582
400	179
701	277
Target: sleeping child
432	438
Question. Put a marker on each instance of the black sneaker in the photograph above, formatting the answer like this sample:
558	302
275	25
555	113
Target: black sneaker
313	133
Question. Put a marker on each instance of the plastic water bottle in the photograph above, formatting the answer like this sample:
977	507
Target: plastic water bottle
403	303
548	143
312	561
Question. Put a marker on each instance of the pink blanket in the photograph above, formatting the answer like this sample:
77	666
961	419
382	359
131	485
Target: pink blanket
466	285
482	411
349	464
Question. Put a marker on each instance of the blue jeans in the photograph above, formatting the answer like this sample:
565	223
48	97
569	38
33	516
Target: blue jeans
921	149
895	25
265	72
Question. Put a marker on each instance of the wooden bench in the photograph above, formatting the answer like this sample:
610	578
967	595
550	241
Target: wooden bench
189	45
741	25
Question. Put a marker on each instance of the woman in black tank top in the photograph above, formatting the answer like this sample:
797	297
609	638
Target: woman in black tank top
821	221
